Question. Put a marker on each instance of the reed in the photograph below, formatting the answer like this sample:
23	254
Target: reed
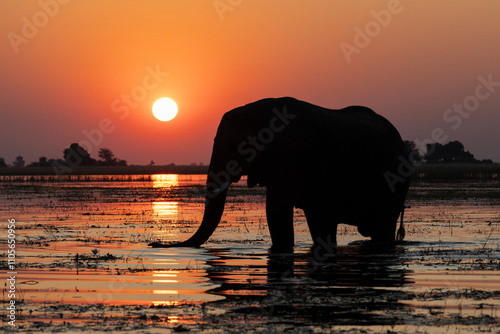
105	170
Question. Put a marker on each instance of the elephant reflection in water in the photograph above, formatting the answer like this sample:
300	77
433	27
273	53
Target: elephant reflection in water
364	265
339	166
338	286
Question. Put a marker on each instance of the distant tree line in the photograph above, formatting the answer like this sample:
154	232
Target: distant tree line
452	152
74	155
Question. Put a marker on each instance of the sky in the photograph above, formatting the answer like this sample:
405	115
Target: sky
73	71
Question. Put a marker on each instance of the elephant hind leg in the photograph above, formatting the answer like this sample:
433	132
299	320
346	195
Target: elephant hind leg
382	228
385	232
323	231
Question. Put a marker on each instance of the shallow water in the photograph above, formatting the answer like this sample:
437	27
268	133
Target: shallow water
82	256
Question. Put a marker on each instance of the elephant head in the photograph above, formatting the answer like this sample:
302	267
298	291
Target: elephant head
242	143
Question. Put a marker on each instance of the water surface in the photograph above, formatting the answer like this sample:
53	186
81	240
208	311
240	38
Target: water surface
82	251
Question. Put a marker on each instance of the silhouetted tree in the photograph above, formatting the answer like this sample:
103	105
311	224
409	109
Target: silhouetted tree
413	151
109	158
451	152
2	162
42	162
106	155
75	155
434	153
19	162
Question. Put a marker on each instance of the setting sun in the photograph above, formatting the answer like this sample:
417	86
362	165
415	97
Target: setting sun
165	109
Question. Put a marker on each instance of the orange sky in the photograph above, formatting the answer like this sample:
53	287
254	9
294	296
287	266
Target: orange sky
63	78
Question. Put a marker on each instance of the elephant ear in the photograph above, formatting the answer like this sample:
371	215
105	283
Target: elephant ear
290	133
281	161
296	147
258	172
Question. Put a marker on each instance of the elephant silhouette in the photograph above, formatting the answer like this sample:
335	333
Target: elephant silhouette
339	166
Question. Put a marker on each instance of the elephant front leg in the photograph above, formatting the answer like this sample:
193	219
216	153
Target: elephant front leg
279	211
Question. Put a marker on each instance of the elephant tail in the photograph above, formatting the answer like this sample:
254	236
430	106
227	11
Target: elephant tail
401	231
400	235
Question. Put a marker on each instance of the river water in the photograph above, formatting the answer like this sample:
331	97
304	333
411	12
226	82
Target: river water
82	256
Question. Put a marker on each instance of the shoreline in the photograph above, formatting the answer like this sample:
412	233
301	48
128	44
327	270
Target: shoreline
444	171
105	170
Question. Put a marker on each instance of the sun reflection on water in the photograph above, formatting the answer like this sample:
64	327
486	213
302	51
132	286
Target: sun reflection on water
165	180
162	303
171	282
165	292
173	318
166	209
169	273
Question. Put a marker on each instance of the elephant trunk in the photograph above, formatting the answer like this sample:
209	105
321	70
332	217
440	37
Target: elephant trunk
218	180
214	207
